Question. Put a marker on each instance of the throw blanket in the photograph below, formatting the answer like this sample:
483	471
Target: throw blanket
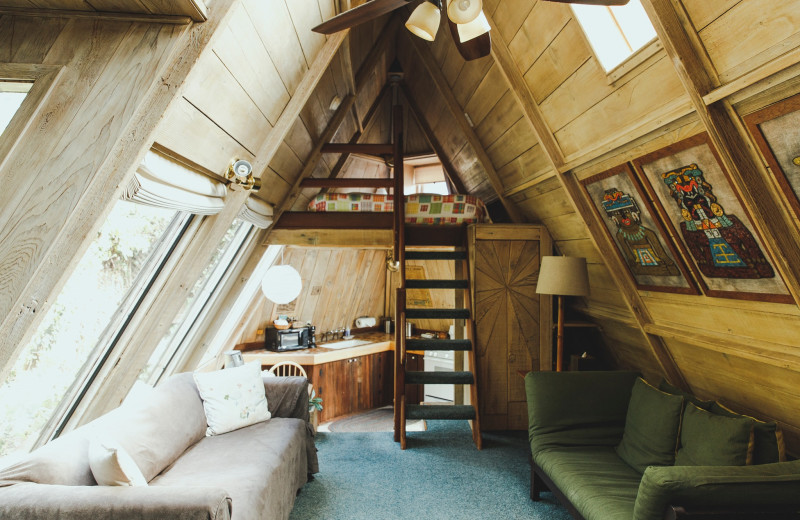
421	208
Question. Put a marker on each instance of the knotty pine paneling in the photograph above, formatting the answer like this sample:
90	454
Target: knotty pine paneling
339	285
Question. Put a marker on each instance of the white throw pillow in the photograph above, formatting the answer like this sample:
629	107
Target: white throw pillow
112	466
233	398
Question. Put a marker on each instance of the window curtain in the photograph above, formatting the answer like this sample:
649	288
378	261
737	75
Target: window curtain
165	183
257	212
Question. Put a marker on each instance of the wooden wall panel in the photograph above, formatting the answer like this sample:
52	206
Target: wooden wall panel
339	285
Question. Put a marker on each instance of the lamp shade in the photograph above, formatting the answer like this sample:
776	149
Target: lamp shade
463	11
470	31
281	284
563	276
424	21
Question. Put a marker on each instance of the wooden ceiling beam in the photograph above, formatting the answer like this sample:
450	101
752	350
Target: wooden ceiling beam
175	19
731	139
471	137
568	181
449	169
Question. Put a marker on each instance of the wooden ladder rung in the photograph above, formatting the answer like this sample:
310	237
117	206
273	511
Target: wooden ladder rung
378	150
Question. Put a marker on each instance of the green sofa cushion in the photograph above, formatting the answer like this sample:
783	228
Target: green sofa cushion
594	479
708	439
577	408
774	484
768	444
651	427
690	398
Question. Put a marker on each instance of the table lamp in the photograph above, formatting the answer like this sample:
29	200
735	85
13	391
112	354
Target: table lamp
562	276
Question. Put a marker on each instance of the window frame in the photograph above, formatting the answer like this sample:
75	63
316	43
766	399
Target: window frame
43	79
639	60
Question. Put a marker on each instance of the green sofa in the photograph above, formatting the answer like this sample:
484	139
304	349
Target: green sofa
577	421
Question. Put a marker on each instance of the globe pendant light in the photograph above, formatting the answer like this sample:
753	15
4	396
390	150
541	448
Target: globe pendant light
281	283
470	31
424	21
463	11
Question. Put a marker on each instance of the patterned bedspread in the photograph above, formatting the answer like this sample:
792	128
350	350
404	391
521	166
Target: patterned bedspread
421	208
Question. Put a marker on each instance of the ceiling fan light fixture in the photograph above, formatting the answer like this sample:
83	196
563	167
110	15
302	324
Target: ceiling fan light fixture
463	11
424	21
470	31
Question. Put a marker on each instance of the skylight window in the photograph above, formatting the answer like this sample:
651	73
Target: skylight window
616	32
12	94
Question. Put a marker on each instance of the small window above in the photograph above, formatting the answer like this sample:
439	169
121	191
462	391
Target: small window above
12	94
615	33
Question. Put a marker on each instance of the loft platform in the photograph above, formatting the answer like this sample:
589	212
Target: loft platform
365	230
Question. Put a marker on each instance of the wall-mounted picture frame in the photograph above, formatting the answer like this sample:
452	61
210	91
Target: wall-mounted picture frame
641	243
776	130
694	196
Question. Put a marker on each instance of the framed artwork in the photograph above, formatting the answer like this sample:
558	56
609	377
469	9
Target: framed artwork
695	198
776	130
628	217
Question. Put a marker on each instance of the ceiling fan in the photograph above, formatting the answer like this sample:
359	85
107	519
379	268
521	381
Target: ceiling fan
468	25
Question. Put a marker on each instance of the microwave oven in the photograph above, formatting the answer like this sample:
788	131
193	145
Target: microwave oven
281	340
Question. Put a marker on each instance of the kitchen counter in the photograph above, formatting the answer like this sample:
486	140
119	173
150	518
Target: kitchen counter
379	342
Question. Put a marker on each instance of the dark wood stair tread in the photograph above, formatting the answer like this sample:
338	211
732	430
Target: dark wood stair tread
446	412
436	255
438	344
439	378
438	314
437	284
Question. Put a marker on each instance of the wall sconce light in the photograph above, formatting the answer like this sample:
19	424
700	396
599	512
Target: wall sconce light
241	172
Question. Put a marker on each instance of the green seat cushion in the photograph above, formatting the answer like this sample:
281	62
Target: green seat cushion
577	408
768	446
745	486
594	479
690	398
651	427
708	439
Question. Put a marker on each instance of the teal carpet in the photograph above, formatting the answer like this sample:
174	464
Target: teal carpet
441	476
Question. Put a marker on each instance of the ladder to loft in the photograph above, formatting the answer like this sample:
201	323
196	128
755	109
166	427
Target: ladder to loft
461	315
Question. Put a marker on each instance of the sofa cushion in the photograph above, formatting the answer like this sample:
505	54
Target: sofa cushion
154	432
595	480
577	408
708	439
733	487
112	466
689	398
768	446
262	466
233	398
651	427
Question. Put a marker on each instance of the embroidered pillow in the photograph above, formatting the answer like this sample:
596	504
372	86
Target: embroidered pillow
112	466
232	398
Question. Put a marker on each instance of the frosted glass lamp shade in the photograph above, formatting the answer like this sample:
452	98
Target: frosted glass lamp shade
563	276
463	11
281	284
470	31
424	21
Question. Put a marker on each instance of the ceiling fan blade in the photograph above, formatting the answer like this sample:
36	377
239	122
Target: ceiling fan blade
358	15
592	2
471	49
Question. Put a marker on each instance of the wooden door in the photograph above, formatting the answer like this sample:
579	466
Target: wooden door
513	324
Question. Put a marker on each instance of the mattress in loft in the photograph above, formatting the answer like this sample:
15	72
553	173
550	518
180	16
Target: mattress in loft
420	208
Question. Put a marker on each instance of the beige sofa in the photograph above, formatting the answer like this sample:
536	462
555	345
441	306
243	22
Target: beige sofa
251	473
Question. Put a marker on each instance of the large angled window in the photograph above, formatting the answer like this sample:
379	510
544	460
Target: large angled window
80	327
197	303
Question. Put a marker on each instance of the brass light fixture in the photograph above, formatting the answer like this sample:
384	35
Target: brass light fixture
241	172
